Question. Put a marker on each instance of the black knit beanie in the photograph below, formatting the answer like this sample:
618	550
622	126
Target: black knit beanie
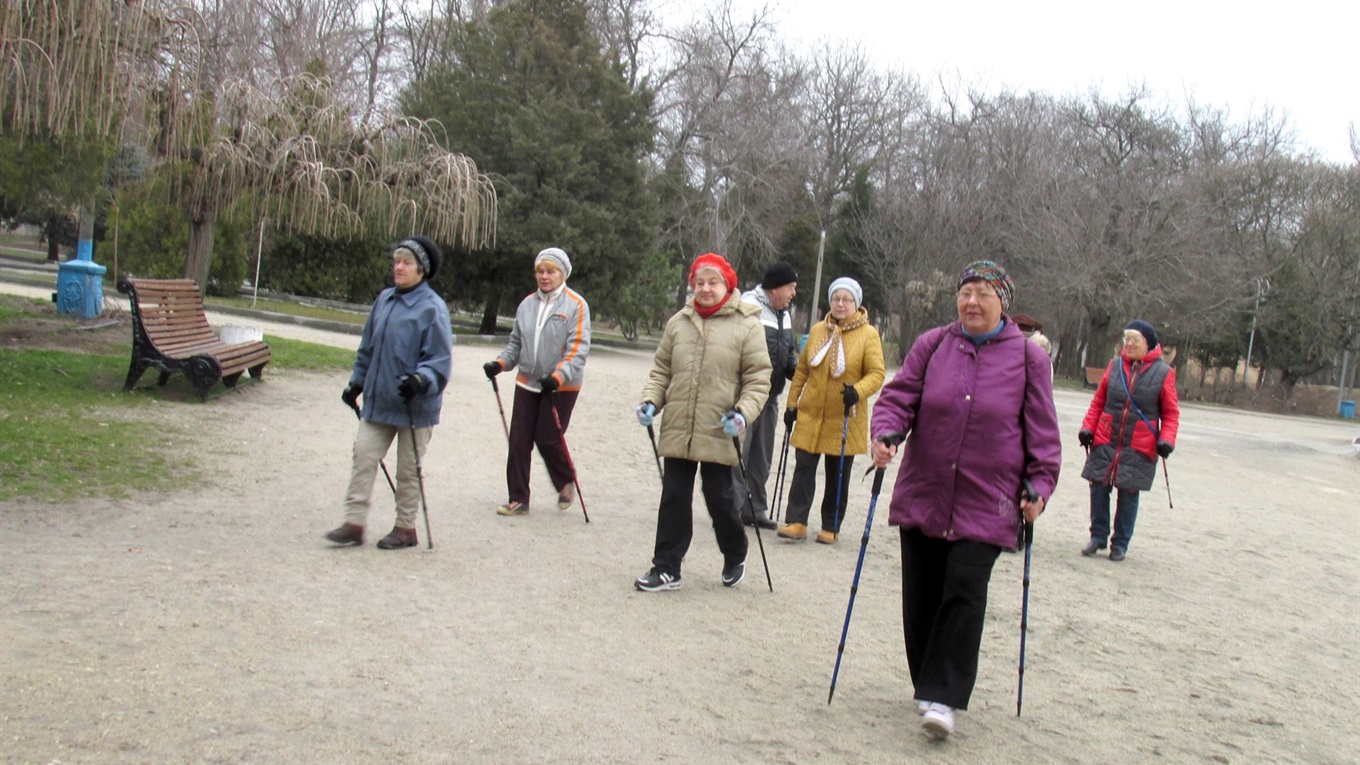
1145	329
427	253
777	275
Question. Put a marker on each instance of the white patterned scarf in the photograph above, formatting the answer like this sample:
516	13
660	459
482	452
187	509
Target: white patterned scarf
835	344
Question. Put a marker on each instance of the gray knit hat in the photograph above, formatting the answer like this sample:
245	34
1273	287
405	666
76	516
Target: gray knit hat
558	258
849	285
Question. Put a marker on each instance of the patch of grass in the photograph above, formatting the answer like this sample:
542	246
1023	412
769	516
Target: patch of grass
15	307
290	308
295	354
64	432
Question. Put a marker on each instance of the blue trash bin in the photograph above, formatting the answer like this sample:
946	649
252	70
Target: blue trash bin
1348	409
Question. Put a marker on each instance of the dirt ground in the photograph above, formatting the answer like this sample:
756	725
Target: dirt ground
217	626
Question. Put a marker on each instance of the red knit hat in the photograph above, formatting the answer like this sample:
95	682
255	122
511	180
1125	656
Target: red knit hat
713	260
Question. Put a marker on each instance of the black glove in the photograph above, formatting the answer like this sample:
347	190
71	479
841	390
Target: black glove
849	395
548	384
351	395
891	439
492	368
790	417
1086	437
410	386
1164	449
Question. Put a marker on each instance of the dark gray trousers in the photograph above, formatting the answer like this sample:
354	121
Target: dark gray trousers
758	454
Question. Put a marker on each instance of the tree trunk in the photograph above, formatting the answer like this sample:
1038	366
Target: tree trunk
53	233
199	259
488	325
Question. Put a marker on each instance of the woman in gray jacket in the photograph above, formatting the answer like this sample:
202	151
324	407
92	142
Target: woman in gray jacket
549	343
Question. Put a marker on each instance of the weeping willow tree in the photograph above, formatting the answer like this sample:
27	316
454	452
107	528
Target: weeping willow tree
79	69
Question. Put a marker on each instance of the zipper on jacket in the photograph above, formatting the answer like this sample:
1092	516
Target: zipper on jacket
1112	474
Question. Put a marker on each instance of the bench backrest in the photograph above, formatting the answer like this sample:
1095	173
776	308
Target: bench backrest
171	312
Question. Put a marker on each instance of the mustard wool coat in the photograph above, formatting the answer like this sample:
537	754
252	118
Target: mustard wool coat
704	367
817	395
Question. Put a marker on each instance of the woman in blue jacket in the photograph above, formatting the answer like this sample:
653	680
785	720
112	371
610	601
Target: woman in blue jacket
404	361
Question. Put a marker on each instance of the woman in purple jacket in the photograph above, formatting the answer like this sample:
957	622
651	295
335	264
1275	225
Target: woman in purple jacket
974	400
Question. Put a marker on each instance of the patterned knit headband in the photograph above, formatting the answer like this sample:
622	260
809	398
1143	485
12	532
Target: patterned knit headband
988	271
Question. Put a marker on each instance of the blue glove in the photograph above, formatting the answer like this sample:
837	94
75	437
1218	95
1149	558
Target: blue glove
733	423
645	412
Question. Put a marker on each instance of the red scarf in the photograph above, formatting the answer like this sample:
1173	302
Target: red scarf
707	312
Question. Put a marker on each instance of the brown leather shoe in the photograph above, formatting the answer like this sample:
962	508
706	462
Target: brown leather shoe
347	534
793	531
398	538
566	497
826	537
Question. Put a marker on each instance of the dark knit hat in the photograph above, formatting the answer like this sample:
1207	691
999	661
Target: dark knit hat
426	253
1145	329
777	275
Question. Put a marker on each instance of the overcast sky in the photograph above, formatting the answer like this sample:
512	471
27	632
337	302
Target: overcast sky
1297	57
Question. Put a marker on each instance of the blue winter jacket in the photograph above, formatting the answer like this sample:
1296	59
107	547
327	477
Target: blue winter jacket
405	333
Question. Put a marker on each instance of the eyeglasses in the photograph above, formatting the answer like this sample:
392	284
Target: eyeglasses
843	299
978	295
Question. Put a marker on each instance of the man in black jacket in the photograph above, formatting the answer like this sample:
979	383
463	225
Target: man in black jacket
774	296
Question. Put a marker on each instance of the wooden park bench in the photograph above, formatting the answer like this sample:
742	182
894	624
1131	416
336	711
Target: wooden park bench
170	332
1093	375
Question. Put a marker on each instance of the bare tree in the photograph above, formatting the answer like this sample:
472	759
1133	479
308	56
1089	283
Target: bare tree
134	67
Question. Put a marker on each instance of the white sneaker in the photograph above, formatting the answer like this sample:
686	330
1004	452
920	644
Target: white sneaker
938	721
922	706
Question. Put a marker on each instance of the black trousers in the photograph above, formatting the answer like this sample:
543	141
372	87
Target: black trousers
944	602
803	487
675	519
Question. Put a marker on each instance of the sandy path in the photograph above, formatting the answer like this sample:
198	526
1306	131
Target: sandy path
217	626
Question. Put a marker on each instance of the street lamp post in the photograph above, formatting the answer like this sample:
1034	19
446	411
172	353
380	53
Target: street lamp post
817	283
1262	286
814	314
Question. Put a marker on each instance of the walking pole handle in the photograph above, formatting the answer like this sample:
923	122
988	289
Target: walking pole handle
1028	526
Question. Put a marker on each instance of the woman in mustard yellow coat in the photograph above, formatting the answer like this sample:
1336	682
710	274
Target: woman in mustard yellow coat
840	368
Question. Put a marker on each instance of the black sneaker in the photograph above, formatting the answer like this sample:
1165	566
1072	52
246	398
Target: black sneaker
1116	554
1092	547
657	581
733	574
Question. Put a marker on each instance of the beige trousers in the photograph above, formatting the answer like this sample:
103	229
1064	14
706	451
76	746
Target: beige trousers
371	443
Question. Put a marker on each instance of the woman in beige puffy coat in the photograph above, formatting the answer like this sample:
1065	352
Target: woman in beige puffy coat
710	375
840	368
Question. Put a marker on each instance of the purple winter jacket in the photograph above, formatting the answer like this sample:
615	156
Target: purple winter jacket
968	449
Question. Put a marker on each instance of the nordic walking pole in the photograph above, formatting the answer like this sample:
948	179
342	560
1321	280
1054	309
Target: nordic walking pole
1169	506
381	463
504	423
420	477
563	435
779	480
651	434
854	586
736	442
1032	496
840	469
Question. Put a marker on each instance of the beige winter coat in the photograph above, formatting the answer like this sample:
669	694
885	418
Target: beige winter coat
817	394
703	368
